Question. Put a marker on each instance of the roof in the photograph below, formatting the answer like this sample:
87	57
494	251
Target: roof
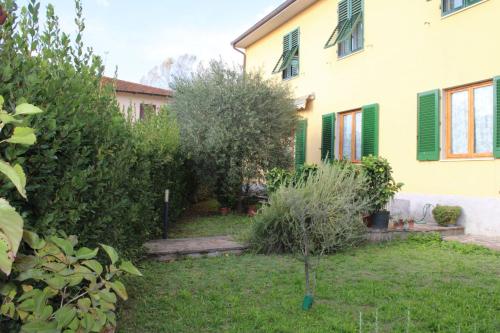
136	88
275	19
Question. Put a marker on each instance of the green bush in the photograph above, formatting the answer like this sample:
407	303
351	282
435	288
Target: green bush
12	134
59	288
381	186
446	215
329	199
90	174
278	177
234	126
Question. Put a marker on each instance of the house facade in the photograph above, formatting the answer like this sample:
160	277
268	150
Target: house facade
134	98
414	81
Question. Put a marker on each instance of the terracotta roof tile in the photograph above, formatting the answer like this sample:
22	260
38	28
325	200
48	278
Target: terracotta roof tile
136	88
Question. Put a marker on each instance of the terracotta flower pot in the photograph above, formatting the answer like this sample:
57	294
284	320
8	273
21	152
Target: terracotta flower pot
252	210
225	211
411	224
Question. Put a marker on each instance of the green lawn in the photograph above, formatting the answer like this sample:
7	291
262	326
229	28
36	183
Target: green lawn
444	290
232	225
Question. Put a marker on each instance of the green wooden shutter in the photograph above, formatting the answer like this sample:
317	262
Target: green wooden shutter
328	137
295	42
343	11
496	118
369	130
428	126
300	143
356	7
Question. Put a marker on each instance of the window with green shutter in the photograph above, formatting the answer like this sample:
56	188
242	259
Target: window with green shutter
348	34
300	143
370	130
428	126
496	118
450	6
288	63
328	137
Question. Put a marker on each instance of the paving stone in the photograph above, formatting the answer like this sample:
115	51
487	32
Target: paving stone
172	249
489	242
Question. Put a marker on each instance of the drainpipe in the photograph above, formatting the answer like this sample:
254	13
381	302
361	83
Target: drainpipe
244	57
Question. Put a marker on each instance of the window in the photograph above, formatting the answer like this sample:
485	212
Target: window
469	121
288	63
350	136
145	109
450	6
348	34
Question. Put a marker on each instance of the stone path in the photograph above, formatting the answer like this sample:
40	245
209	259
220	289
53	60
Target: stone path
172	249
489	242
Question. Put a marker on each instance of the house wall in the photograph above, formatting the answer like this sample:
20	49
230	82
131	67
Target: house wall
126	100
409	48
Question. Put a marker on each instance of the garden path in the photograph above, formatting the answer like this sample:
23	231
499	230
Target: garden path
172	249
492	243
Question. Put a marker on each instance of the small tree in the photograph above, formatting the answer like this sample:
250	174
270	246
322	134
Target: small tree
234	126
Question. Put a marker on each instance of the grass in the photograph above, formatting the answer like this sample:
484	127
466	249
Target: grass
231	225
443	287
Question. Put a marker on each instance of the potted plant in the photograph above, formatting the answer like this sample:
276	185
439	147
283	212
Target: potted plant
381	188
447	216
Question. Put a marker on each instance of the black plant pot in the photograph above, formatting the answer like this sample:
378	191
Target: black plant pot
380	220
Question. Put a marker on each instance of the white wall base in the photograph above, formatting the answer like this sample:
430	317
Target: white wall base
480	216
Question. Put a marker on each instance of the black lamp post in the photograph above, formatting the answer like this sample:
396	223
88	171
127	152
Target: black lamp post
165	214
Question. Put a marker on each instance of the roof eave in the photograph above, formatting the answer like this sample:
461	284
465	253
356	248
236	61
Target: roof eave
279	16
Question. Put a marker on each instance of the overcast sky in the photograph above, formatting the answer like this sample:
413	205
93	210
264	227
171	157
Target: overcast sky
137	35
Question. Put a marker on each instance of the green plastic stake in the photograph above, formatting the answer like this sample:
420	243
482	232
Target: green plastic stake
308	302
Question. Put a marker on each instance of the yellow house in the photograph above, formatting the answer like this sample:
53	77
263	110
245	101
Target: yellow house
414	81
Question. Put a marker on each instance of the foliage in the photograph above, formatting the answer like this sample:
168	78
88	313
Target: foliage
260	293
157	140
60	288
381	185
12	133
90	174
278	177
234	127
329	198
446	215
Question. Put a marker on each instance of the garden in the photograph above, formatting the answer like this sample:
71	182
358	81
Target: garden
82	189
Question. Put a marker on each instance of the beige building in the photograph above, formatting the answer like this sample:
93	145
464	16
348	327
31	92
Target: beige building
138	97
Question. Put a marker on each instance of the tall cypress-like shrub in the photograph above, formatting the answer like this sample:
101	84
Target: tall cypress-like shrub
87	174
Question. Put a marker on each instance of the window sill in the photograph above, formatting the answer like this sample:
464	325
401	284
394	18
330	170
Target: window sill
472	159
446	15
350	54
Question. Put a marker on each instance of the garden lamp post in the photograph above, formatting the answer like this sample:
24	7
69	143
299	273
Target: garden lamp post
165	214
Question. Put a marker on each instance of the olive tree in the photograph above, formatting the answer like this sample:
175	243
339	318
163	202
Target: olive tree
234	126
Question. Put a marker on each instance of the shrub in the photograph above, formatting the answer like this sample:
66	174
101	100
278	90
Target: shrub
234	126
91	172
12	134
446	215
278	177
381	186
329	199
58	288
